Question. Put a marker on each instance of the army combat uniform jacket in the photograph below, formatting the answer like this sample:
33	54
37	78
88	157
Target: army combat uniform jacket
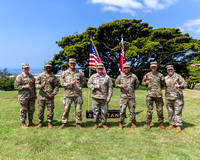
171	93
157	82
66	78
20	84
105	81
51	85
132	83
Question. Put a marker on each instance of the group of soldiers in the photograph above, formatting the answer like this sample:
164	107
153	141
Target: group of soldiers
102	90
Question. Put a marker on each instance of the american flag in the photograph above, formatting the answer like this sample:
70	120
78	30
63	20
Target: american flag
94	56
122	58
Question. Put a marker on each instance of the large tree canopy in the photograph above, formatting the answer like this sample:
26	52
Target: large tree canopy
142	44
194	73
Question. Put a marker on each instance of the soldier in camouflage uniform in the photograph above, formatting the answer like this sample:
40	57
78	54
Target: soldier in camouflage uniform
25	83
174	97
72	80
128	83
155	82
48	85
101	86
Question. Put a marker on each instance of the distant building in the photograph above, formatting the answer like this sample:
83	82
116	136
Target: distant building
11	76
195	64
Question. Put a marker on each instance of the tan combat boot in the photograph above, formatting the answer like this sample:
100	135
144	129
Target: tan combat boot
24	126
78	126
63	126
39	125
50	125
161	126
133	126
178	129
30	123
96	125
148	126
170	127
120	126
105	127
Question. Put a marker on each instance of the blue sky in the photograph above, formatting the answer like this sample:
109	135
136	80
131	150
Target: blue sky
29	28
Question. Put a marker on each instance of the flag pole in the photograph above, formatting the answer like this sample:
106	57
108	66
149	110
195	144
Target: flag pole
88	88
89	91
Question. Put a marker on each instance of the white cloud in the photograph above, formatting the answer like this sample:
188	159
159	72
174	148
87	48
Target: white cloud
115	9
120	3
110	8
130	6
158	4
130	11
191	25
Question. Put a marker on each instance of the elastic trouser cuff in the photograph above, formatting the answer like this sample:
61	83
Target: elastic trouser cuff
64	121
79	122
148	122
40	121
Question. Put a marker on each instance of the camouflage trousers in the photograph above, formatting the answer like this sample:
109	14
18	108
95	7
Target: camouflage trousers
50	110
27	105
67	101
100	105
175	108
131	105
159	107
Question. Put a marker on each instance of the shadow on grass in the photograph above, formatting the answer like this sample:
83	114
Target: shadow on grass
166	124
138	112
186	125
156	124
90	124
138	124
54	123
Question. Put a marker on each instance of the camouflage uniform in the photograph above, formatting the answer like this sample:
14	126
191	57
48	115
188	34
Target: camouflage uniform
174	98
73	93
26	96
99	96
51	87
127	96
154	93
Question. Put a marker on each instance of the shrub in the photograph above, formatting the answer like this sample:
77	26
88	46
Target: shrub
7	83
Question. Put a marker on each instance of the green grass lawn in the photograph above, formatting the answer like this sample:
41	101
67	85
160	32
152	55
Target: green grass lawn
70	143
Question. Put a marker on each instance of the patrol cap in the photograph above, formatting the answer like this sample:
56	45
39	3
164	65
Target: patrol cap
99	65
25	65
48	64
72	60
170	67
154	63
126	65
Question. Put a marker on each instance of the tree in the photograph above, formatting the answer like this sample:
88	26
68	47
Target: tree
164	45
142	44
194	73
107	40
6	83
4	73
